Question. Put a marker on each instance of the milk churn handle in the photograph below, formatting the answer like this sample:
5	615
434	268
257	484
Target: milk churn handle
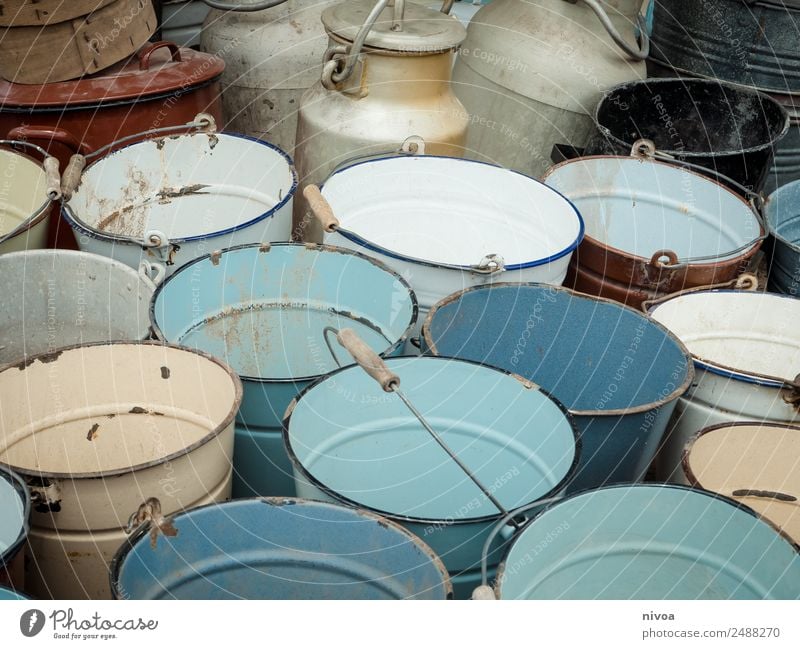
484	591
50	164
233	6
149	514
745	282
639	54
646	149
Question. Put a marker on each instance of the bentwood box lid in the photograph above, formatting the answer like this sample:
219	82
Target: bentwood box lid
156	69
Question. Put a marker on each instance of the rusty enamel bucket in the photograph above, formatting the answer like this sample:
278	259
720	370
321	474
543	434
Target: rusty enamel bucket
56	298
15	510
94	430
653	228
757	464
27	188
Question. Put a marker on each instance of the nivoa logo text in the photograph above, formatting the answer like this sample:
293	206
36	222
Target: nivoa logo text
66	625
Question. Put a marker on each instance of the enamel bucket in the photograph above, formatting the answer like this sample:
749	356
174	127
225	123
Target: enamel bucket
649	542
279	548
619	373
353	443
265	311
755	464
446	224
15	510
56	298
746	350
782	211
653	228
96	429
170	200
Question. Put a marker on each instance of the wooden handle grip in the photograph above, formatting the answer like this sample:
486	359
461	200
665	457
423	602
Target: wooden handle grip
321	208
72	175
369	361
52	178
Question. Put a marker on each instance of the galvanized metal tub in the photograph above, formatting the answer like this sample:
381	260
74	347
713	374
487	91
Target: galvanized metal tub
619	373
746	350
756	464
56	298
653	228
446	224
274	548
782	211
753	43
24	202
96	429
170	200
351	442
731	130
649	542
15	510
264	309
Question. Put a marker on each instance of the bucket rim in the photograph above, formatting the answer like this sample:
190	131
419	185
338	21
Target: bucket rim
83	228
318	247
130	543
634	258
8	474
627	487
719	369
438	522
374	247
618	412
768	214
707	430
704	81
48	357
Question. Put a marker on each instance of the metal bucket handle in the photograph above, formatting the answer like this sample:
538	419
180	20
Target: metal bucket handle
202	123
646	149
232	6
639	54
149	514
339	61
411	146
745	282
484	591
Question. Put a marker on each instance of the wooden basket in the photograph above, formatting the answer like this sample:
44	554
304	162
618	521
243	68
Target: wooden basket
54	40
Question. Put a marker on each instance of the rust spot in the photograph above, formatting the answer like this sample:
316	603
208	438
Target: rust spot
168	193
213	140
166	528
157	414
138	410
160	144
164	372
44	358
264	247
215	257
92	434
111	416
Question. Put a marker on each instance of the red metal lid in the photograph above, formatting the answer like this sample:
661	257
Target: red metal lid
157	68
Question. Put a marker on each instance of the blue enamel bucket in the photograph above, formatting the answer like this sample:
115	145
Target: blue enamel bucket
649	541
618	372
353	443
6	594
264	309
278	548
782	211
15	510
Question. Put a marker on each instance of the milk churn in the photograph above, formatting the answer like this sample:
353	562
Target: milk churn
273	54
530	73
386	77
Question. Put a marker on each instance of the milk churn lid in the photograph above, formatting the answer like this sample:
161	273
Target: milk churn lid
423	29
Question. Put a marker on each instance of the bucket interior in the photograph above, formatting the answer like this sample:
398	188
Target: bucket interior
640	208
184	187
649	542
703	116
751	458
783	213
265	312
103	408
752	333
589	354
23	189
12	514
365	445
60	298
255	549
452	211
